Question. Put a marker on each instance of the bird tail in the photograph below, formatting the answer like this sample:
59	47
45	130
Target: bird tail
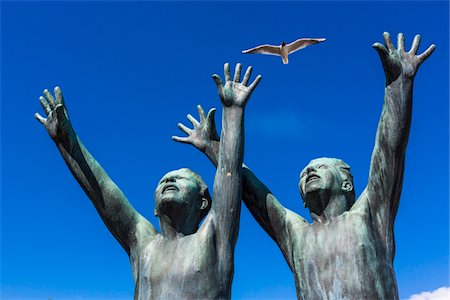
285	60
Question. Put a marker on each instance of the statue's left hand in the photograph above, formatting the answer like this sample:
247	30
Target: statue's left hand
203	133
57	123
235	93
398	62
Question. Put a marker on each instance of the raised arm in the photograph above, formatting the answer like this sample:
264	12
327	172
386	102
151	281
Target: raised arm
263	205
112	205
226	204
388	157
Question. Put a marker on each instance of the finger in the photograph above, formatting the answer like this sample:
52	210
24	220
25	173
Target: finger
226	71
415	45
247	75
201	113
255	83
388	42
50	99
40	118
184	140
211	115
400	42
59	96
193	120
382	51
218	82
237	72
184	129
45	105
422	57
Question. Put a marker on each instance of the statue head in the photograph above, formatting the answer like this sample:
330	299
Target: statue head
182	195
323	179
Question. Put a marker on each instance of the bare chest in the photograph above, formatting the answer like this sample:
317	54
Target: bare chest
168	269
341	259
183	258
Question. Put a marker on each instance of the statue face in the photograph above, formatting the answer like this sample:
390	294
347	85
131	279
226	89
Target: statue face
320	176
177	189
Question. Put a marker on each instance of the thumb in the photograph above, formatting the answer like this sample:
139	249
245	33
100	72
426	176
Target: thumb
381	50
40	118
212	124
211	115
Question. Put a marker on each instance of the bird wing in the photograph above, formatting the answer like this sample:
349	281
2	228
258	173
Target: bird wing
264	49
302	43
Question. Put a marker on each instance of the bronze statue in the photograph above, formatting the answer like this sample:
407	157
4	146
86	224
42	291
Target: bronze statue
184	261
348	250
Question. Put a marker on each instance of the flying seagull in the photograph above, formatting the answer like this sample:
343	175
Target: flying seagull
284	49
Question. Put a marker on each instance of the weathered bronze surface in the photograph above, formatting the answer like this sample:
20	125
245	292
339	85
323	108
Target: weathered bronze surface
184	261
348	250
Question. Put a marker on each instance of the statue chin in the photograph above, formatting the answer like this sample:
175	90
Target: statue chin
312	188
314	200
169	205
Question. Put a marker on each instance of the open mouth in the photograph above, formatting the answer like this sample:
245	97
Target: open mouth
169	188
312	177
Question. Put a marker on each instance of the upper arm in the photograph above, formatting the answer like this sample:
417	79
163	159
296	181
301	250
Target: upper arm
122	220
275	219
385	181
263	205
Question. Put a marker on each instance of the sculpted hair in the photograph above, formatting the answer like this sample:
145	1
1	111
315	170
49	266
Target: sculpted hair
204	192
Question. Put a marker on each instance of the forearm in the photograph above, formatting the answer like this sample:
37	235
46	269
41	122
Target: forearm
231	148
387	164
228	181
86	170
111	204
395	121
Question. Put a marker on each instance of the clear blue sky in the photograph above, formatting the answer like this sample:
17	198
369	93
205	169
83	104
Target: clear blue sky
131	71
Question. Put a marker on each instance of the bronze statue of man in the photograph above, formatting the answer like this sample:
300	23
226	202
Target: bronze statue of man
348	250
184	261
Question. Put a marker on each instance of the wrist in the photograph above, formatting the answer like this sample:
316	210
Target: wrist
234	109
402	80
66	138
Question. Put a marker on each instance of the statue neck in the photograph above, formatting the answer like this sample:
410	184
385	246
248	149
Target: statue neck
336	206
176	226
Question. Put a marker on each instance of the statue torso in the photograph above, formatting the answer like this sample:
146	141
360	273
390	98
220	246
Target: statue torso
184	268
342	259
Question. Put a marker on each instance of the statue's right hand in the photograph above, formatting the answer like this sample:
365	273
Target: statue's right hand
203	133
57	122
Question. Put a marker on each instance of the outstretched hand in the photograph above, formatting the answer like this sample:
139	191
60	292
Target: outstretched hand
235	93
203	133
57	122
398	62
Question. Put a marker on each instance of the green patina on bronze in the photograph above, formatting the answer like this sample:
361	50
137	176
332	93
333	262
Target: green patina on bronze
348	250
184	261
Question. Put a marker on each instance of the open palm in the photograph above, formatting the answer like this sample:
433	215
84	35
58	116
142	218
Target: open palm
235	92
57	122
